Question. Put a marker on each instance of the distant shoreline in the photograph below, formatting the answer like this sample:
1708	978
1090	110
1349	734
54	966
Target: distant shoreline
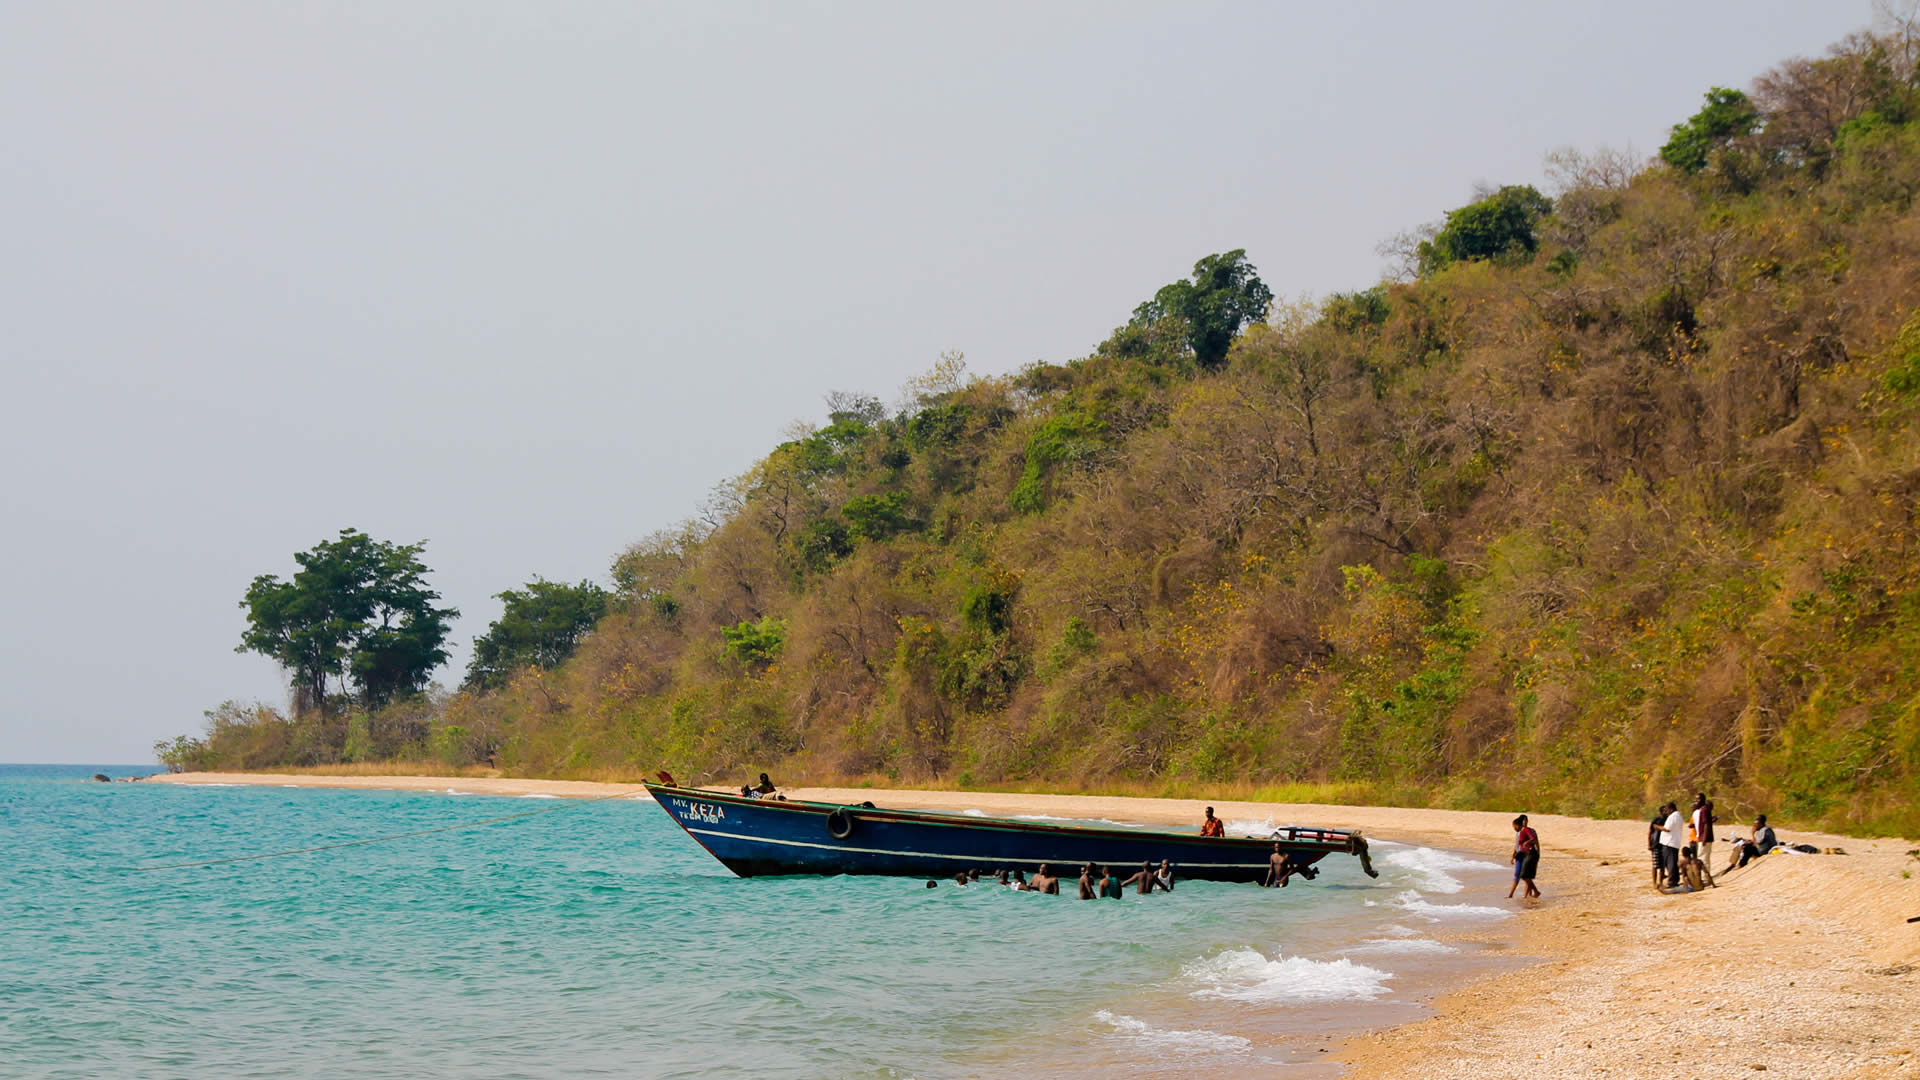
1803	963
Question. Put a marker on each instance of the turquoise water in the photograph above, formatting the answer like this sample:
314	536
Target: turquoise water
600	941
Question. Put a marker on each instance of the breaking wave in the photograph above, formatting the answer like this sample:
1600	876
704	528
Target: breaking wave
1174	1040
1247	975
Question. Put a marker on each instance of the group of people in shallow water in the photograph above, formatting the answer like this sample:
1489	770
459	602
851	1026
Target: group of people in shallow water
1681	846
1108	884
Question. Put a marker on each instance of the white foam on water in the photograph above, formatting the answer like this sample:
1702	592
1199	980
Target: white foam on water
1173	1040
1248	827
536	795
1401	945
1416	904
454	791
1247	975
1103	821
971	812
1396	930
1428	866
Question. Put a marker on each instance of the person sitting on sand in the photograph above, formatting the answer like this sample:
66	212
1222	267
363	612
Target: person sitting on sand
1279	868
1088	887
1213	826
1164	876
1745	851
1045	882
1525	858
765	786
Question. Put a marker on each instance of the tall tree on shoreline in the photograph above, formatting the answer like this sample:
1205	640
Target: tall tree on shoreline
357	615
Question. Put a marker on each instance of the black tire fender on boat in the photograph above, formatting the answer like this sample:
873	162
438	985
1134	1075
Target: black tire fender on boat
840	823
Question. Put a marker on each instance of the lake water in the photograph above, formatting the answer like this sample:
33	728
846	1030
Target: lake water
600	941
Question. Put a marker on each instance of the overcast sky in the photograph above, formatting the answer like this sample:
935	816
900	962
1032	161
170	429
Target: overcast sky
526	281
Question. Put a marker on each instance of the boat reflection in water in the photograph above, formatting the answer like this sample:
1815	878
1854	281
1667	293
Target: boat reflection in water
759	837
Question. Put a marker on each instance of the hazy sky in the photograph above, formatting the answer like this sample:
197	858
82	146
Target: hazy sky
526	281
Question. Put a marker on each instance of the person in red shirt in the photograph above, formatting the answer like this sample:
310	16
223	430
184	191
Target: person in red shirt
1526	856
1213	826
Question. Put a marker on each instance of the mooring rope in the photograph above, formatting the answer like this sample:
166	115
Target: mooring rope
569	805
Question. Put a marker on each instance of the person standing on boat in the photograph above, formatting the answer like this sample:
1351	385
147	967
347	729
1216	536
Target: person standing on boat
765	786
1213	826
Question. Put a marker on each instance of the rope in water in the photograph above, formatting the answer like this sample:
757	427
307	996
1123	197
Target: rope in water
571	805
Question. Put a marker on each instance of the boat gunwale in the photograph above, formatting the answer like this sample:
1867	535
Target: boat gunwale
1326	843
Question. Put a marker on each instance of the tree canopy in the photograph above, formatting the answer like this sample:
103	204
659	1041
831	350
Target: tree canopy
358	615
1500	226
540	626
1727	115
1224	295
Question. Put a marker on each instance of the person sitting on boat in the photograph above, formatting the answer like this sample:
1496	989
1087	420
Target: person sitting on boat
765	786
1279	868
1044	882
1164	876
1213	826
1111	886
747	792
1088	887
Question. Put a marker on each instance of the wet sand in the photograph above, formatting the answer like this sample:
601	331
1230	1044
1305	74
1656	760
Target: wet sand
1798	966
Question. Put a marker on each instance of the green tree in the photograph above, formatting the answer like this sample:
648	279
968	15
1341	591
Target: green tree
1727	115
1500	226
1224	294
540	625
357	615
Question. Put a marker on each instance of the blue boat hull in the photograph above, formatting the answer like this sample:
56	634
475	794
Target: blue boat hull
759	837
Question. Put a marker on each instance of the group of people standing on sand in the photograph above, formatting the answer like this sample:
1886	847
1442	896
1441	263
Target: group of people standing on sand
1681	846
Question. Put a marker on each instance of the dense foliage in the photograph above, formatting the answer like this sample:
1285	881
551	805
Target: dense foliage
539	625
1616	499
357	616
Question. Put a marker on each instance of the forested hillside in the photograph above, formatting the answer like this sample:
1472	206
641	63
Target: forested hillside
1611	495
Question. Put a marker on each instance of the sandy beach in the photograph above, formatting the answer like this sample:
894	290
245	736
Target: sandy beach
1797	966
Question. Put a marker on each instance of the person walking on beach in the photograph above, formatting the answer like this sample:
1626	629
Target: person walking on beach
1213	826
1673	837
1703	835
1526	857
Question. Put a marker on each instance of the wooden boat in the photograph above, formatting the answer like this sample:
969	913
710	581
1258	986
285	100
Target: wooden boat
756	837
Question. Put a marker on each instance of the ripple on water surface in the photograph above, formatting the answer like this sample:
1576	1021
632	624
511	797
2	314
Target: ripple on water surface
595	939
